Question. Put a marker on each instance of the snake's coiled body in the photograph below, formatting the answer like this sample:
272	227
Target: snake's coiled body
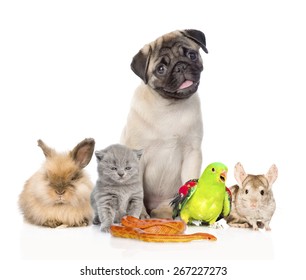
156	230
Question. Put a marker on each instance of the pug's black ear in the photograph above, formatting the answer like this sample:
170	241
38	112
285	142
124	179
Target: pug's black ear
196	36
140	63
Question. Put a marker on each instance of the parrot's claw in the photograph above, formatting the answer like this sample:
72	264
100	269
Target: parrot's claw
219	225
216	226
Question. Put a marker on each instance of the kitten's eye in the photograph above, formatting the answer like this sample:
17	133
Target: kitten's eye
262	192
246	191
113	168
128	168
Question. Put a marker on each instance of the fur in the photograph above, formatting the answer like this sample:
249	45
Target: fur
253	204
118	191
58	194
165	117
170	132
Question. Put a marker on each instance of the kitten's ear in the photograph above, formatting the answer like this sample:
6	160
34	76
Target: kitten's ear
138	153
100	154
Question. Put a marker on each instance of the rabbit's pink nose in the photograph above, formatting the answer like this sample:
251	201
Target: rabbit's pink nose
60	192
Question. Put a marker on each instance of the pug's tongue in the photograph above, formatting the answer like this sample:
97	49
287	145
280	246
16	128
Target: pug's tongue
186	84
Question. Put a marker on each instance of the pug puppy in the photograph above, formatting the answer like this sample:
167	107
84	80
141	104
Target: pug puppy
165	119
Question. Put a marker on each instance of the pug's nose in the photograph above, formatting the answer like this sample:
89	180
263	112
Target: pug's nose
180	67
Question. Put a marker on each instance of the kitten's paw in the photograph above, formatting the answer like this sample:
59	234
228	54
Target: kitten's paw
96	220
144	216
105	229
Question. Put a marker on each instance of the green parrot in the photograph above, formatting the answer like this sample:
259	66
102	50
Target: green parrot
206	199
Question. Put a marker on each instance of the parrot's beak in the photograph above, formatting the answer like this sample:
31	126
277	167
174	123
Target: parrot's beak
223	176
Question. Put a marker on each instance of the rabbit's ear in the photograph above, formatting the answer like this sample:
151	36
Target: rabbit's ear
82	153
48	152
240	174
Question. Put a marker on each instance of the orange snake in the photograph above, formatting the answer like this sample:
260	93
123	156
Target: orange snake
156	230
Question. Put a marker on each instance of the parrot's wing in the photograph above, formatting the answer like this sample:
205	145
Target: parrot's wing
226	204
181	199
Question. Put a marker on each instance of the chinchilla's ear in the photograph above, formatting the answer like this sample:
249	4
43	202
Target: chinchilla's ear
196	36
272	174
140	63
82	152
239	174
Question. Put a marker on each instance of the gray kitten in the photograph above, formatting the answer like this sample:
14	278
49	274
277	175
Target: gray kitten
118	190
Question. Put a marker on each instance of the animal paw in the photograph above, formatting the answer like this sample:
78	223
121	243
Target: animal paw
62	226
52	223
237	225
104	228
84	223
144	214
216	225
96	220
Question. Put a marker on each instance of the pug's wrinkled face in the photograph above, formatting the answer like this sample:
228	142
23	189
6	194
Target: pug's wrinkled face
172	65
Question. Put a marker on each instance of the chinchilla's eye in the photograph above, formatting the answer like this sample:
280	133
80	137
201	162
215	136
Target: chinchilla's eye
246	191
262	192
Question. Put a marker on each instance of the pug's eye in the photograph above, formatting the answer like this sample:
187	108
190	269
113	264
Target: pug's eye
192	55
161	69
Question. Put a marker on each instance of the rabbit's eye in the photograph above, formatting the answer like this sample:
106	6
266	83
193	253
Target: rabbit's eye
262	192
246	191
75	177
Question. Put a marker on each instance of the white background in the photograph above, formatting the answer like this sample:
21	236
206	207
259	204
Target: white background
65	75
